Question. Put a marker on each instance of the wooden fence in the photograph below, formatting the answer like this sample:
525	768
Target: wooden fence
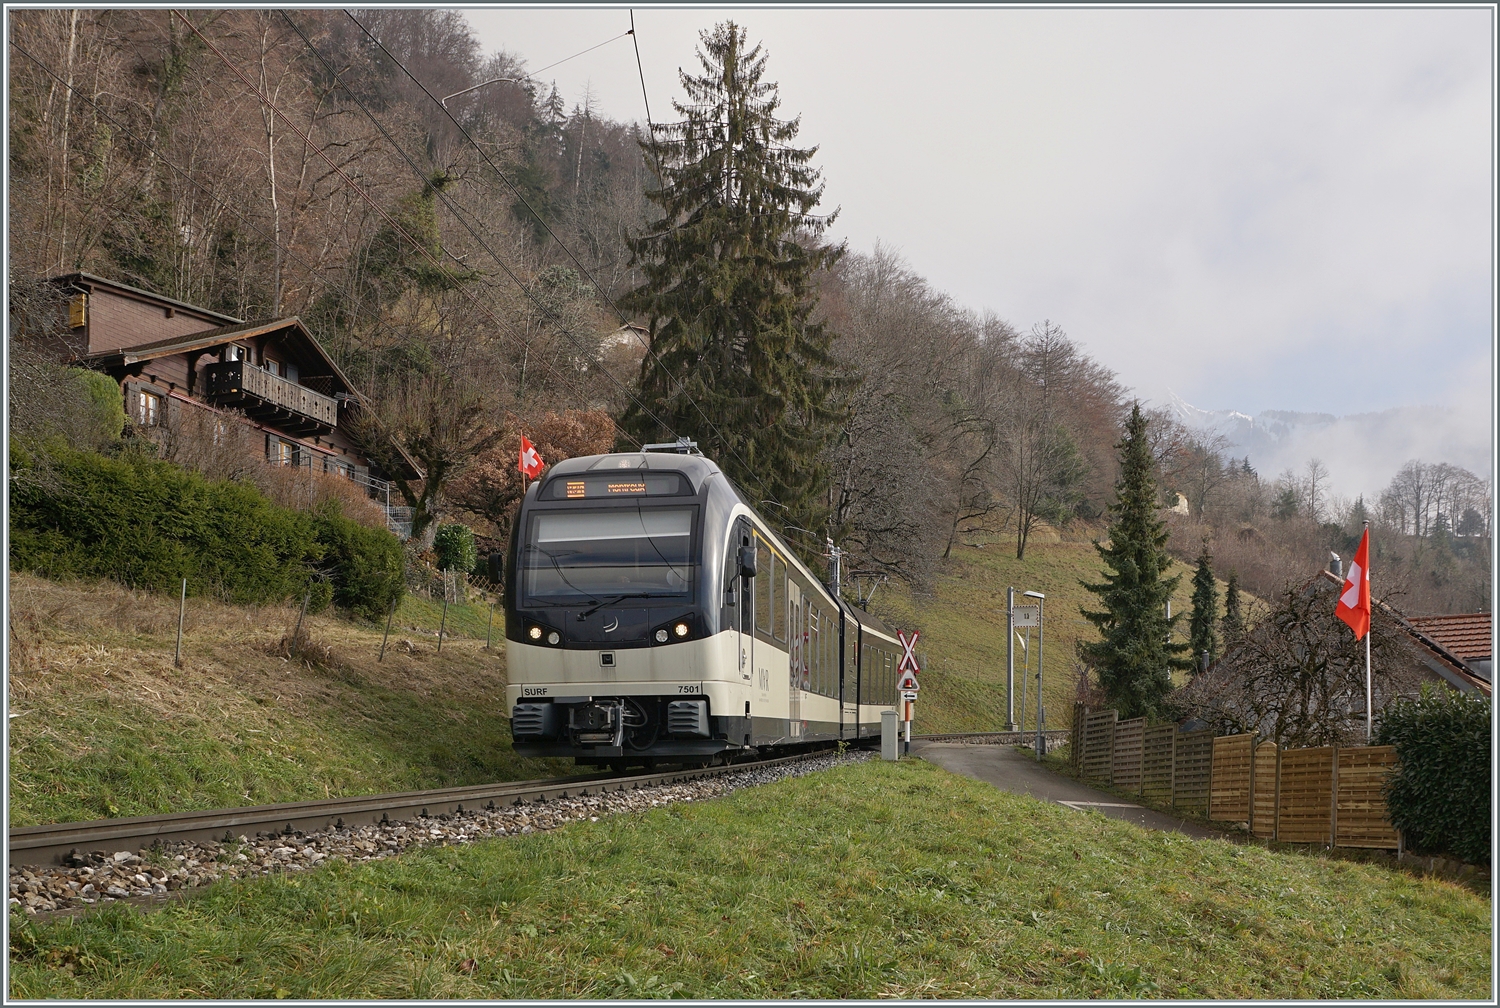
1321	795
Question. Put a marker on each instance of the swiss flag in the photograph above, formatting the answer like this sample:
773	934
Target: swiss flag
531	461
1354	598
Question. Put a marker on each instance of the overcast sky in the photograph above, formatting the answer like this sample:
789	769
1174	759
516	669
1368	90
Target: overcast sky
1257	209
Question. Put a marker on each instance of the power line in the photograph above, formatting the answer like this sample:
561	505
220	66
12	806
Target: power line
458	215
561	244
640	69
397	228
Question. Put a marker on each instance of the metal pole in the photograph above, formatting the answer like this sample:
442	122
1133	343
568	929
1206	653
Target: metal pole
489	632
388	617
181	612
1369	690
443	624
1041	635
1010	659
1025	674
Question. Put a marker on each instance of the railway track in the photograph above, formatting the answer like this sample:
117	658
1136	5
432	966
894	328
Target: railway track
52	844
1052	735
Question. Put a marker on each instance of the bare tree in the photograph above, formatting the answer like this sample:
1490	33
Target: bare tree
1298	676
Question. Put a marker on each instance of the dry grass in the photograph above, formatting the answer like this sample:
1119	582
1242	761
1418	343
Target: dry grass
92	676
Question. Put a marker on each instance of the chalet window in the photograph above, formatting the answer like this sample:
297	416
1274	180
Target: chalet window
237	353
278	452
338	467
272	366
147	409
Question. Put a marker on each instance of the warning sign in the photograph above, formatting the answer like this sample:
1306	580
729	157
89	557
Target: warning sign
908	683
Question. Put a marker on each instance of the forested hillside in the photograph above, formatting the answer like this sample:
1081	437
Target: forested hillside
463	265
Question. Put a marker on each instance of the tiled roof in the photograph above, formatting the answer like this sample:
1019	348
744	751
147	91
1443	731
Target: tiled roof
1466	636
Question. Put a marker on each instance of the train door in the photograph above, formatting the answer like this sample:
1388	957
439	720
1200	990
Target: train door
850	633
742	613
796	655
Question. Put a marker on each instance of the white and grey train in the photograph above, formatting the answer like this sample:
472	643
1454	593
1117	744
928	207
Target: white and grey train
652	616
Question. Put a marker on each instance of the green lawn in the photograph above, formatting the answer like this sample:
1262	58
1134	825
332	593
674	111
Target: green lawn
875	880
962	621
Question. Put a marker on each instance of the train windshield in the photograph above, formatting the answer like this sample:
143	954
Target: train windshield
588	557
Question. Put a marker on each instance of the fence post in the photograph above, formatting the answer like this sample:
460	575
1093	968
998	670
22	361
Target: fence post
1254	742
181	613
1333	799
389	616
444	623
489	632
297	631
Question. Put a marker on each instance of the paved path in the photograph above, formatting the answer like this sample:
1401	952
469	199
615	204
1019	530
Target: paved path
1009	770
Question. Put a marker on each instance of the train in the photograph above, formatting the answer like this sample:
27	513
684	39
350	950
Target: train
653	616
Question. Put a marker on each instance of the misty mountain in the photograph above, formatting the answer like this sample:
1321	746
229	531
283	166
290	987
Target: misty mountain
1362	450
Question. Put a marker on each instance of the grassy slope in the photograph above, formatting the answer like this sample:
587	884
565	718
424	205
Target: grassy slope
879	880
108	727
963	629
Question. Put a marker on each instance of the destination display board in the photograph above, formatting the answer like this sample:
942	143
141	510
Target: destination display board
633	484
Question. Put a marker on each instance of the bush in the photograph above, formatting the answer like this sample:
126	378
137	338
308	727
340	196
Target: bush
455	548
105	409
148	523
1439	796
365	564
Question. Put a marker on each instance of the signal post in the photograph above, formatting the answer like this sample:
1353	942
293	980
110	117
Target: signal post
907	683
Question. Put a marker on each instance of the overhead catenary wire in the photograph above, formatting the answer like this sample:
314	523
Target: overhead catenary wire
458	215
521	198
396	227
218	203
645	99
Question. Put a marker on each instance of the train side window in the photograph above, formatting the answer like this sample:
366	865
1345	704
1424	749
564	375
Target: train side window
763	590
779	600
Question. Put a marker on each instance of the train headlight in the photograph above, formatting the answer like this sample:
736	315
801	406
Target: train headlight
661	636
535	633
681	629
553	637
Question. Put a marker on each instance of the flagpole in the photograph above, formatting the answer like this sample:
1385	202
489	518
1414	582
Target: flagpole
1369	692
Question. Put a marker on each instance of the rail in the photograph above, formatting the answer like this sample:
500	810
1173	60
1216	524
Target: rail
1052	735
50	844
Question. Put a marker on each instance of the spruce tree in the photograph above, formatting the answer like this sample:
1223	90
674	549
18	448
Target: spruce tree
736	362
1202	633
1135	656
1233	624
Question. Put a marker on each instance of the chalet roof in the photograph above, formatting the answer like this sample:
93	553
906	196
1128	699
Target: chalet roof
1466	636
126	356
214	337
92	280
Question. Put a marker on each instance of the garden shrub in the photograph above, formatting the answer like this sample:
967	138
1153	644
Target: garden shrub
455	548
364	564
1439	796
147	523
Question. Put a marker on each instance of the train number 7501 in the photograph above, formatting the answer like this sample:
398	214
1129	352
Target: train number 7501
689	689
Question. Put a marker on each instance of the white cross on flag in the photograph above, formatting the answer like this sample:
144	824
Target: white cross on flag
531	460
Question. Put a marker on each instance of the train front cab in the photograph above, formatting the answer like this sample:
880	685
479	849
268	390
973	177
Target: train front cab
634	636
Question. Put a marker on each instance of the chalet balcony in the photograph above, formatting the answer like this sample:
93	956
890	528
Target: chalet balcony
271	399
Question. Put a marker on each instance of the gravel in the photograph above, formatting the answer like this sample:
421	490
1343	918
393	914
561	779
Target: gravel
156	872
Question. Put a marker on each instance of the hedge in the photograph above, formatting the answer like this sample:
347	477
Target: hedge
1439	796
148	524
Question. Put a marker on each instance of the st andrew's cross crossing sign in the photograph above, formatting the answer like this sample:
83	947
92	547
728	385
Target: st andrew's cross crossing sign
908	667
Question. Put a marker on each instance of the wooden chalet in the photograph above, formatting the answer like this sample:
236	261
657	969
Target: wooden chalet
168	355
